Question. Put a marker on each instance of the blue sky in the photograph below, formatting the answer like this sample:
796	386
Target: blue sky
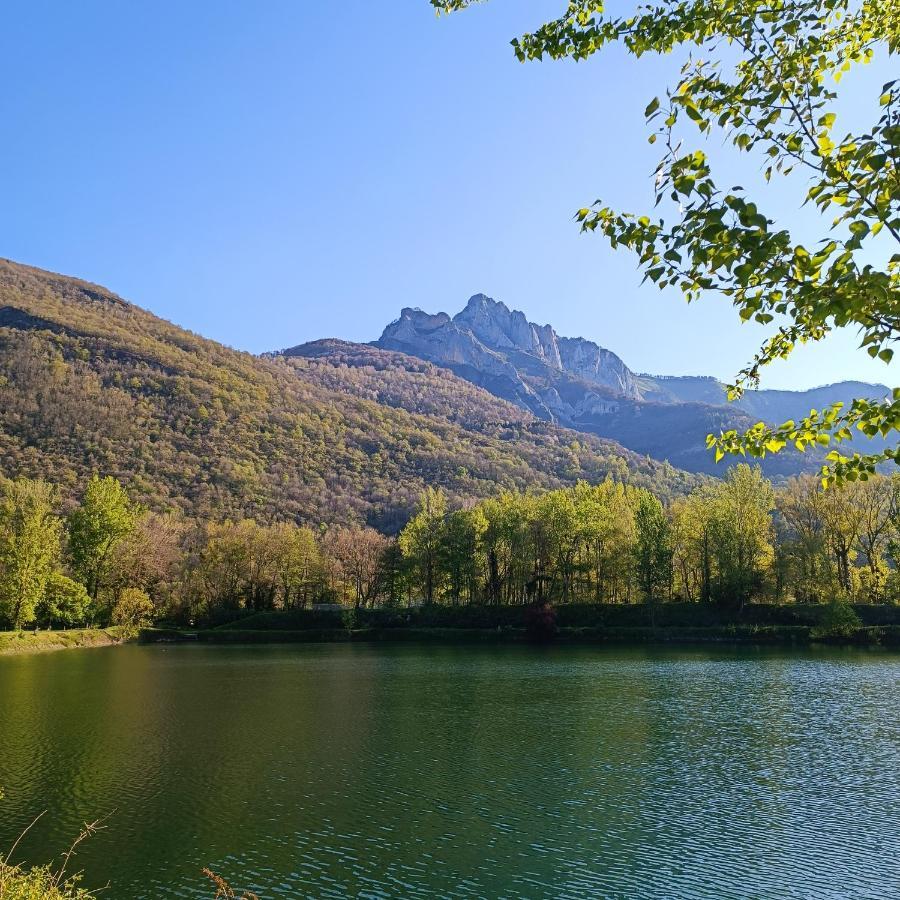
271	173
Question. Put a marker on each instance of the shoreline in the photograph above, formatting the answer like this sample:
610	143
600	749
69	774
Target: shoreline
789	636
21	643
876	636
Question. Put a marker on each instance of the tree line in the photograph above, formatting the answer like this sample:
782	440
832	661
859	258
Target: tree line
105	560
728	542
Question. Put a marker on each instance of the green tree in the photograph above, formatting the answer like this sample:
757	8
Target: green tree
105	517
297	562
219	566
653	549
507	546
740	529
463	552
765	77
65	602
803	539
556	538
692	547
30	533
422	538
605	523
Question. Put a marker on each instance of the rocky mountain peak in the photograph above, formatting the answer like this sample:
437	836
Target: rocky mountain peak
497	347
423	319
497	326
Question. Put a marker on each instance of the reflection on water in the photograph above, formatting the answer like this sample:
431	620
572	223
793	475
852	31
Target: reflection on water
342	770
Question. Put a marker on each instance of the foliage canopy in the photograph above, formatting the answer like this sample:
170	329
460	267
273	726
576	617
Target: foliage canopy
765	74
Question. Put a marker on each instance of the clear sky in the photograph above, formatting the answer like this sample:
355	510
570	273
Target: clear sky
271	173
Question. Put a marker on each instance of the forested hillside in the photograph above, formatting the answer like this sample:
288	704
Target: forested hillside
90	383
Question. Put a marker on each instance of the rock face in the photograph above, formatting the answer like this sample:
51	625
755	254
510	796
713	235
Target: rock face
559	379
586	360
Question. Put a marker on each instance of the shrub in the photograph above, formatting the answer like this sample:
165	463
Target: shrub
839	619
39	883
134	608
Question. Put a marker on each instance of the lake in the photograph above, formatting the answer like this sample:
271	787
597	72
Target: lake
384	771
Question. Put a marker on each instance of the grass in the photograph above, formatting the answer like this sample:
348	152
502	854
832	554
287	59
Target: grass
45	882
15	642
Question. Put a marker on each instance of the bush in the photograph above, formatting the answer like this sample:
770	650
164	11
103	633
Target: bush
350	618
839	619
39	883
134	608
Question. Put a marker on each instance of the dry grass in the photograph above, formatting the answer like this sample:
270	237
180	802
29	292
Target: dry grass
44	882
224	889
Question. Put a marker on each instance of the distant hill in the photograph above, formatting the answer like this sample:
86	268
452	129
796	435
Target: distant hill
91	383
578	384
773	406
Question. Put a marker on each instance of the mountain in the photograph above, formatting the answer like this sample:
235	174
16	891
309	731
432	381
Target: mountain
578	384
773	406
525	363
92	383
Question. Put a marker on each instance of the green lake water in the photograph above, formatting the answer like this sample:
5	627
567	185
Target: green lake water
419	771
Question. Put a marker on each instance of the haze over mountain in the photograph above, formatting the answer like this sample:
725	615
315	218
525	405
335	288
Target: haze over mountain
91	383
579	384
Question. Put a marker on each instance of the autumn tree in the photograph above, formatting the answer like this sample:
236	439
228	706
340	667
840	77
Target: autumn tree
358	552
803	539
149	557
843	517
878	497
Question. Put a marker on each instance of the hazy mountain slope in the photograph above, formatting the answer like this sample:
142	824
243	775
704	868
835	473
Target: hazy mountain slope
90	383
769	405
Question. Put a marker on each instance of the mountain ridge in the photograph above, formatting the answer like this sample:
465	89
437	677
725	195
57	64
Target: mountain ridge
579	384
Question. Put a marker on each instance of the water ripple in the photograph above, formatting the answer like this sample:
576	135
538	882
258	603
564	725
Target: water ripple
337	771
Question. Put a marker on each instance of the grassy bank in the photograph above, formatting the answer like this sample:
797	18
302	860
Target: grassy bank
43	641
